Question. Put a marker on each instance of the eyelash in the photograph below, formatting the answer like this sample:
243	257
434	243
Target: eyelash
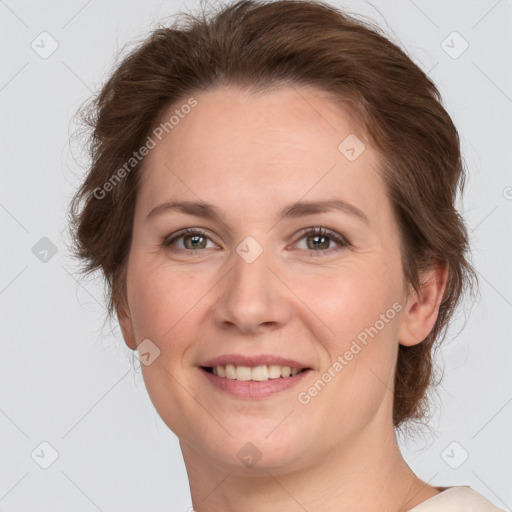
317	231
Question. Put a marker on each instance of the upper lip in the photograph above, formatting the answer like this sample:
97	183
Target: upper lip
253	360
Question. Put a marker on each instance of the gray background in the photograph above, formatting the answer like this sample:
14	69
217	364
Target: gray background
68	380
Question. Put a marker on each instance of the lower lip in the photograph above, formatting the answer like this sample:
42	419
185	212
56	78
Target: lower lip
252	388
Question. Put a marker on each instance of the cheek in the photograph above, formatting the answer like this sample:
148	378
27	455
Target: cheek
351	299
164	309
361	307
162	302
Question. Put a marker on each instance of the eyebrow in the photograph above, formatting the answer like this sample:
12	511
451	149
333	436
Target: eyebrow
291	211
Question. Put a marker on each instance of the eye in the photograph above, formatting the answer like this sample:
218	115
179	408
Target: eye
319	239
194	240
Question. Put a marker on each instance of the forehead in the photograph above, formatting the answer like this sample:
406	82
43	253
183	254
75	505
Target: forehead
274	146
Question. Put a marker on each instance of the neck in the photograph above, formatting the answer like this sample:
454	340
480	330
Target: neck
370	474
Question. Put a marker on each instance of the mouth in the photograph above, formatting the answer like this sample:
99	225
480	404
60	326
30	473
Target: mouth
253	373
251	378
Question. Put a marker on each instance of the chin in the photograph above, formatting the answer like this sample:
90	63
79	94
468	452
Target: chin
257	446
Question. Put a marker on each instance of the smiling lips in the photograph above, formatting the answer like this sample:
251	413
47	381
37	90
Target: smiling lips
253	376
255	373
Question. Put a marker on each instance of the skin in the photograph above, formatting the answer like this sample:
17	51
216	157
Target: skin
250	155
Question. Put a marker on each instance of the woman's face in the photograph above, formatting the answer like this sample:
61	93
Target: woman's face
256	281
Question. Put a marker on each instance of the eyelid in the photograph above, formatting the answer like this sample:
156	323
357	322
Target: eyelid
321	230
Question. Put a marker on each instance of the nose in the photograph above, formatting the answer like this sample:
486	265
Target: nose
251	297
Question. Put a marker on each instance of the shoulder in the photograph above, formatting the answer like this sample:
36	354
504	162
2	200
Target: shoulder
457	499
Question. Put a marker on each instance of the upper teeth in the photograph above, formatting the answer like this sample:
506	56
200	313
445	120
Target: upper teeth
258	373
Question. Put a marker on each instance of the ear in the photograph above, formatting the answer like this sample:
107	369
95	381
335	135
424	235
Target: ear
422	309
125	321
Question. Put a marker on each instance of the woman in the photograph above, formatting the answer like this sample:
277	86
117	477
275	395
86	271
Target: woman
271	201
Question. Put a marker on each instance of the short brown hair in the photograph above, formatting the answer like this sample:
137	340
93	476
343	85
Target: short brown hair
257	45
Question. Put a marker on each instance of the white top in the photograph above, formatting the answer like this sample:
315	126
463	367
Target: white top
457	499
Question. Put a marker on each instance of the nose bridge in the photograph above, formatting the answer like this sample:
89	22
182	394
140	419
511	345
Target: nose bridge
250	267
251	295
